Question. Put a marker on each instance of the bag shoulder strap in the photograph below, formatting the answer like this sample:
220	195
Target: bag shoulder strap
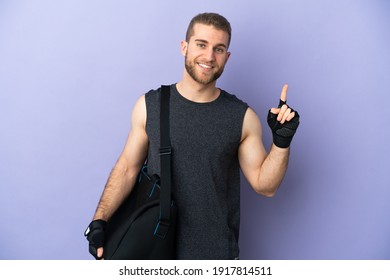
165	160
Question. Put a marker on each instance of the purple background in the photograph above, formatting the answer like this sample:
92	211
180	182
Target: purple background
70	72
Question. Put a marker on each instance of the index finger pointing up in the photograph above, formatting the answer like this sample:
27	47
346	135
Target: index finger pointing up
283	95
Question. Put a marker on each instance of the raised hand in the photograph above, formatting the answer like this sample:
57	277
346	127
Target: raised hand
283	121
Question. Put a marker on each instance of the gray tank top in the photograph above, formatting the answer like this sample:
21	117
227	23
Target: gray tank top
206	175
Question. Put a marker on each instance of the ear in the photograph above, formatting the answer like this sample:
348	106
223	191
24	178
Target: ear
183	47
227	57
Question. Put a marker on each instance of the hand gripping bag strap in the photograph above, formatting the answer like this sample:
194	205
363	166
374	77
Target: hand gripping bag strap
165	158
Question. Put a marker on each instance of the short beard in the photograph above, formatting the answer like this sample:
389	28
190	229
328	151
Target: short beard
208	80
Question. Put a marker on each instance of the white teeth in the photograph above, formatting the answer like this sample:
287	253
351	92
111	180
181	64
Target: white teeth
204	66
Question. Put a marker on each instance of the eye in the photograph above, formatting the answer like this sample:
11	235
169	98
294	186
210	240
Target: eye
220	50
201	45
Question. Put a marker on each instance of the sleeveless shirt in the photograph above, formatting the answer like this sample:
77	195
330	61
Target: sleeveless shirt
205	170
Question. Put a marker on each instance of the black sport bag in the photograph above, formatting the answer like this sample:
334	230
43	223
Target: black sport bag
144	226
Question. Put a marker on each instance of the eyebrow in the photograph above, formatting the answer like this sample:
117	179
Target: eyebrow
205	41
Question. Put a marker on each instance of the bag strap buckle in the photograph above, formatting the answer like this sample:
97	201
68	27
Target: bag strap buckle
165	150
162	228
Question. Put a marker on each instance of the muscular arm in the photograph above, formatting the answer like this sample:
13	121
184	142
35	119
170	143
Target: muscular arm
125	171
263	171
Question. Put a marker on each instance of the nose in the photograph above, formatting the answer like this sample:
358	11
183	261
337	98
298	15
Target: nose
210	55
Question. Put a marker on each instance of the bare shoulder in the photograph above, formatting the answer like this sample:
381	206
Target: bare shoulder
139	113
251	125
134	152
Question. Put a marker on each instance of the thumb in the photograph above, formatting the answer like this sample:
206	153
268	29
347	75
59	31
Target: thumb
275	111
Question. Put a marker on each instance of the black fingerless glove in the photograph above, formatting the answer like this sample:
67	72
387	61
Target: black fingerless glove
282	133
95	236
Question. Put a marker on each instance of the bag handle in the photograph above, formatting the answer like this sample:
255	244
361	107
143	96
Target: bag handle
165	160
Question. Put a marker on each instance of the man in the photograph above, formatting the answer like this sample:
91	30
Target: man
213	136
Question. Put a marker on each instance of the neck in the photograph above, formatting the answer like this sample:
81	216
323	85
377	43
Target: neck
197	92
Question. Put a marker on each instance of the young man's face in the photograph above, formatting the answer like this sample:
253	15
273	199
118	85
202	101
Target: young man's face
206	53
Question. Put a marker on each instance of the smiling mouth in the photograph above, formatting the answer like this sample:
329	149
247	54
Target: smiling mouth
205	66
